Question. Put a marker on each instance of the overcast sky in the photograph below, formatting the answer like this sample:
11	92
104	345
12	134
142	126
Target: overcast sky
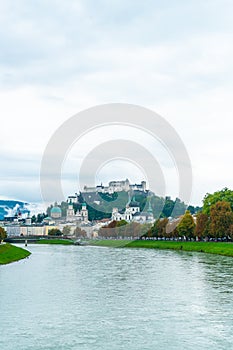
60	57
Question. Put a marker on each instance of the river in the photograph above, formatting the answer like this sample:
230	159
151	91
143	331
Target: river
89	298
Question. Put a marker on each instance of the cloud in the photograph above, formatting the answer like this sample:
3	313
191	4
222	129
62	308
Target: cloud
58	58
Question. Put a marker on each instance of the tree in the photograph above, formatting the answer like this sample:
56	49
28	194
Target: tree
40	217
33	219
3	234
221	219
209	200
159	228
202	225
79	233
186	226
55	232
66	230
171	228
144	229
121	223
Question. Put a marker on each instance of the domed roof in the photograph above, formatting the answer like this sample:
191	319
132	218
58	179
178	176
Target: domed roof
56	210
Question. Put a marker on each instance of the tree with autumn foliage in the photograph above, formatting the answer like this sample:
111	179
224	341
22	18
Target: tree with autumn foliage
221	219
209	200
79	233
202	225
158	229
3	234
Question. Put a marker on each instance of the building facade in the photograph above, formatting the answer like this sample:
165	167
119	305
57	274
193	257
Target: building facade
117	186
81	215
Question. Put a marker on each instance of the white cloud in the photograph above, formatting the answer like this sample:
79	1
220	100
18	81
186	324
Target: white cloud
175	58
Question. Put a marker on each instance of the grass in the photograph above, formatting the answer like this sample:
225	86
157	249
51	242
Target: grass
219	248
114	243
10	253
55	241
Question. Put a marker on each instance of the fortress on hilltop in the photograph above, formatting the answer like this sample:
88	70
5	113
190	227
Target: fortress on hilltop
117	186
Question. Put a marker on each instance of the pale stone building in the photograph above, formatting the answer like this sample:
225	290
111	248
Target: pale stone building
80	215
117	186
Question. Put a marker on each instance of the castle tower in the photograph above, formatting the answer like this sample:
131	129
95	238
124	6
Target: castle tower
143	183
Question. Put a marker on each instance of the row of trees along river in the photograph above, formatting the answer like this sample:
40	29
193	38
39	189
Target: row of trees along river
213	222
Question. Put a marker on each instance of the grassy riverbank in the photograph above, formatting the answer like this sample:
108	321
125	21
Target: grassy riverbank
203	247
55	241
114	243
10	253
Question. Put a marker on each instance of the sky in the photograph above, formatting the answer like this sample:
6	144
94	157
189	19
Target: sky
58	58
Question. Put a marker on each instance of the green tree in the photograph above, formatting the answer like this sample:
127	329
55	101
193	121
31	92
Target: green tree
33	218
186	226
3	234
209	200
40	217
55	232
221	219
121	223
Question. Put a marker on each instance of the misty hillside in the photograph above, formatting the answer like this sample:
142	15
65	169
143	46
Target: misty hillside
11	207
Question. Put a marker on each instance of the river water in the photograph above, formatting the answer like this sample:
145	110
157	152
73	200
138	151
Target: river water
88	298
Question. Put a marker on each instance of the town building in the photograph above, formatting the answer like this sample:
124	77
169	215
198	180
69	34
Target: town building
132	213
126	214
55	212
80	215
17	230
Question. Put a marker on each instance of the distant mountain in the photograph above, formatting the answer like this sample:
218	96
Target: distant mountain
12	207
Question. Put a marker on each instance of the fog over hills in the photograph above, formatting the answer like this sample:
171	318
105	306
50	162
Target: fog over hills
12	207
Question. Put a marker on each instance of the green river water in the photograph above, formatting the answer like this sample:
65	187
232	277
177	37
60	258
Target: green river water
89	298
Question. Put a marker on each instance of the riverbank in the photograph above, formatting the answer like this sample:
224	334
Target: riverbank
10	253
55	241
113	243
219	248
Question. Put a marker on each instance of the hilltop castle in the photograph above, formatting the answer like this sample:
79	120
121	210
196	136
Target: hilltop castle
117	186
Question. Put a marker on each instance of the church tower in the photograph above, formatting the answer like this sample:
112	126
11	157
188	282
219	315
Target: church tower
70	212
84	212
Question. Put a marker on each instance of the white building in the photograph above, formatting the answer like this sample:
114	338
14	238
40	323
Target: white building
132	213
81	215
14	230
117	186
126	214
